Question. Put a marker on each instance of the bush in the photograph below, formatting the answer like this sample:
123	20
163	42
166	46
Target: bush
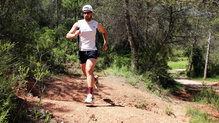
213	69
198	117
8	101
5	86
121	60
6	104
207	95
10	106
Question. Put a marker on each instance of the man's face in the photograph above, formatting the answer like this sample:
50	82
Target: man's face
88	15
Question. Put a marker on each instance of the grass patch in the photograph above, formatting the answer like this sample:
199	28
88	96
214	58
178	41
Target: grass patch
207	95
142	105
178	74
153	82
198	117
211	79
124	71
178	63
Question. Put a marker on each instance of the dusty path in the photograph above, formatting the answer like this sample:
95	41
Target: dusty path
64	99
194	83
198	84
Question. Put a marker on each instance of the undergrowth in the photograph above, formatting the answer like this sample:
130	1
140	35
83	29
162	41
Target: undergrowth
208	95
148	78
208	79
178	63
198	117
124	71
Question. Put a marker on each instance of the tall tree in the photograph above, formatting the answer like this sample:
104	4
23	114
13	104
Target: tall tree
207	55
134	52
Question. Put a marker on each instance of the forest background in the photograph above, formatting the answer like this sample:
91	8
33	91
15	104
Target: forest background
143	37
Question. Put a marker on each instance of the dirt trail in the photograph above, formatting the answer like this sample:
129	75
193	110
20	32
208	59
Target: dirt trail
64	99
194	83
198	84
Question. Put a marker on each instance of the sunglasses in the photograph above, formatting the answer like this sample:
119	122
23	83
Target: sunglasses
87	12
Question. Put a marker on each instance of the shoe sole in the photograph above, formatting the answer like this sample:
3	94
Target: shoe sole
97	82
89	102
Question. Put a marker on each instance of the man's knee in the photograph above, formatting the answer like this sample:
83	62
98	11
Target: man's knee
89	71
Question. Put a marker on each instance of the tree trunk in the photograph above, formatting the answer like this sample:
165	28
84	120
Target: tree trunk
58	12
190	68
191	57
134	52
207	56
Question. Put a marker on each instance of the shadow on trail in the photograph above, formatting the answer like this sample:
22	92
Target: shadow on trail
103	105
70	89
188	94
109	101
52	106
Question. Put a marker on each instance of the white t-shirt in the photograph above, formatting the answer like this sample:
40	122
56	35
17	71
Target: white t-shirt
87	37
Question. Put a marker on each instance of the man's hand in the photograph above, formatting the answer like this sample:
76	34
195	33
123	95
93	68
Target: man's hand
104	46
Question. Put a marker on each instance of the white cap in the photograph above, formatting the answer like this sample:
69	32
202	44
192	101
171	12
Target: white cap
87	8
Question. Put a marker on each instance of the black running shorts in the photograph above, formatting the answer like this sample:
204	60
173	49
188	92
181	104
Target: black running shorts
84	55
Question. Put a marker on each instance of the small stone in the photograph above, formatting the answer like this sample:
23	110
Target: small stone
53	121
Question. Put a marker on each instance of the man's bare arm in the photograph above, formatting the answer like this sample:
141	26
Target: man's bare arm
103	31
74	32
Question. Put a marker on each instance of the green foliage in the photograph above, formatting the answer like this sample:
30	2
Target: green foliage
6	97
213	70
125	72
5	57
6	92
74	58
71	4
198	62
177	59
121	67
179	63
198	117
40	72
168	110
40	114
121	60
46	39
142	105
52	48
208	96
10	107
23	72
151	86
33	37
209	79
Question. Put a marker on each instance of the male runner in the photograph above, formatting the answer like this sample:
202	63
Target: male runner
86	29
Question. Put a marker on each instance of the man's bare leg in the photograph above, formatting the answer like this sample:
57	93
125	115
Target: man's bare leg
90	79
83	68
90	64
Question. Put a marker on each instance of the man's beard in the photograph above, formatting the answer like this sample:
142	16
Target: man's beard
88	19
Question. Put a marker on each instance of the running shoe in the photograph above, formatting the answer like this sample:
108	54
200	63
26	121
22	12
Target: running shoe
89	99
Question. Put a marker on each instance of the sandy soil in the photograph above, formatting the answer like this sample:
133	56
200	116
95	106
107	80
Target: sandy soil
115	102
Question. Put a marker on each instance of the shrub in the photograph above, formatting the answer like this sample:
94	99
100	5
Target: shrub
207	95
198	117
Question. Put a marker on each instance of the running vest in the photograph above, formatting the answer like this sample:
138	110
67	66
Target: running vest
87	37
